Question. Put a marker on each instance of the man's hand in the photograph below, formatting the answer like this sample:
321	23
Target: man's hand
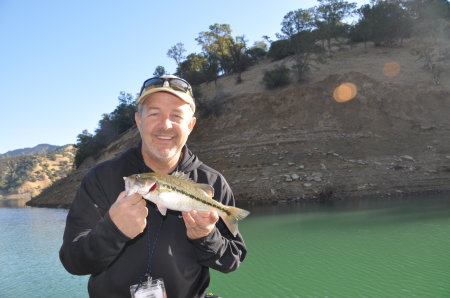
199	224
129	214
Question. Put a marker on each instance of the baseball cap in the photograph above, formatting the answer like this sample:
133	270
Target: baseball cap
168	83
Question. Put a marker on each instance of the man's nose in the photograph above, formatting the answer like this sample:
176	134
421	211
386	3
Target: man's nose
166	123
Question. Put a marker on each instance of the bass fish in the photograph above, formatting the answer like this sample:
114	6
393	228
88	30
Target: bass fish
178	192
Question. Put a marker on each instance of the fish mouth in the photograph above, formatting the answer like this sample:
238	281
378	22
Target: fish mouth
152	188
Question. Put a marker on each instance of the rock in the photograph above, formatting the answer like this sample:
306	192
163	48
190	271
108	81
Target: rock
301	167
407	157
252	180
307	184
275	164
448	157
291	164
295	177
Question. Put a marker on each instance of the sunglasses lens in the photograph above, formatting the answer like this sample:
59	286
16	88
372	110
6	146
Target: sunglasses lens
154	82
174	83
179	85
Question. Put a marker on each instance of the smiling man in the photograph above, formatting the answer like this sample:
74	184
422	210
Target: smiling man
123	241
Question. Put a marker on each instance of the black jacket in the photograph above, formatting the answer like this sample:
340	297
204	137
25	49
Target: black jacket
94	245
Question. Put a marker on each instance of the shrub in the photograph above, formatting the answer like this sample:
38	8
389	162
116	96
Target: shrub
280	49
277	77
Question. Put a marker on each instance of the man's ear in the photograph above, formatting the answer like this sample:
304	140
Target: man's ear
192	124
137	119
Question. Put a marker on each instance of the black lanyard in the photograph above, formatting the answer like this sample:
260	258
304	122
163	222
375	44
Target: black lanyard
151	246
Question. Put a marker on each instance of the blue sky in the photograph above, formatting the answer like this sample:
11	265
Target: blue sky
64	62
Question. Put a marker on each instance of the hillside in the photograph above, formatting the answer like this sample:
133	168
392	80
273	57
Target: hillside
299	143
39	149
24	176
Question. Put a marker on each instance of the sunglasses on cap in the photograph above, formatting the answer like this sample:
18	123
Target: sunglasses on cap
176	84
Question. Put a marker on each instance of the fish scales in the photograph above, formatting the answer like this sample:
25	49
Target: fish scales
197	197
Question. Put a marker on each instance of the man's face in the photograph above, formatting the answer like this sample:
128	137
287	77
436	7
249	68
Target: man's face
164	123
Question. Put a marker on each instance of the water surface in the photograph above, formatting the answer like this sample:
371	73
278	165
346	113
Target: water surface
376	248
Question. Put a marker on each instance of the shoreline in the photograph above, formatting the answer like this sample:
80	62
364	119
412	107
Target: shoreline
321	199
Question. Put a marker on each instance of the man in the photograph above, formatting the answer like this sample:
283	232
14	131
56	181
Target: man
118	238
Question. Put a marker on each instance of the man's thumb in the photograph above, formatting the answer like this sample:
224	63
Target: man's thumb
122	196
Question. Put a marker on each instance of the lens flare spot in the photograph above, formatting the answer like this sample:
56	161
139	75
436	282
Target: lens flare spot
391	69
345	92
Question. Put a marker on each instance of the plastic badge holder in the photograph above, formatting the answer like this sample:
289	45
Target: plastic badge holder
152	288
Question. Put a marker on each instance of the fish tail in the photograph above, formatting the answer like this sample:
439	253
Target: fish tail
232	216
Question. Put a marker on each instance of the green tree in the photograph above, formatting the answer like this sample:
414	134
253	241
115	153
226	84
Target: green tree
109	128
257	51
297	21
218	43
176	52
328	18
240	61
385	23
280	49
85	147
297	28
192	68
159	71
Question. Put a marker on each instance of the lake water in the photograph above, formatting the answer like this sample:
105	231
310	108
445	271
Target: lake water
367	248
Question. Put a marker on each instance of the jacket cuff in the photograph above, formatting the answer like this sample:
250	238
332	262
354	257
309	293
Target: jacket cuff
111	227
210	243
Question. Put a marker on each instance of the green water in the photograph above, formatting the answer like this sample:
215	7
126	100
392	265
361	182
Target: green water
398	248
376	248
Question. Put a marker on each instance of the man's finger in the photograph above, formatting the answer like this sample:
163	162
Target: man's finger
135	199
188	218
121	196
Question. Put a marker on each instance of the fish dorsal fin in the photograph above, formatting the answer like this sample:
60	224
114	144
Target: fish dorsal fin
206	188
182	176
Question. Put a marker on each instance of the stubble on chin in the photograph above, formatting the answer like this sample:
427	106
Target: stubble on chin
166	154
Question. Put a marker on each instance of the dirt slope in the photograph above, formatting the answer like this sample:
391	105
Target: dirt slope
299	143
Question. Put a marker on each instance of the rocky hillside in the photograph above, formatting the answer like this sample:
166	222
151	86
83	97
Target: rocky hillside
390	136
24	176
39	149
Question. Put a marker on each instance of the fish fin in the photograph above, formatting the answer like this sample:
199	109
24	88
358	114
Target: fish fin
231	217
206	188
182	176
162	210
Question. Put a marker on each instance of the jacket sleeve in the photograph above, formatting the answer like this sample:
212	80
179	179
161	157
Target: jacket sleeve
220	250
91	240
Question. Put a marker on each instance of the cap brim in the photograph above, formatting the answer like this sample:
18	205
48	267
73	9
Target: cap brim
181	95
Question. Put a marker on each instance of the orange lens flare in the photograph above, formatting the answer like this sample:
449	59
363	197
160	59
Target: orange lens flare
345	92
391	69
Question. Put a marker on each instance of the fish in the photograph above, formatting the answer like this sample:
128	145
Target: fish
178	192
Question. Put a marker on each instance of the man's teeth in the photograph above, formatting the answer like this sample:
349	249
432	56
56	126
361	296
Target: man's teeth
164	138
